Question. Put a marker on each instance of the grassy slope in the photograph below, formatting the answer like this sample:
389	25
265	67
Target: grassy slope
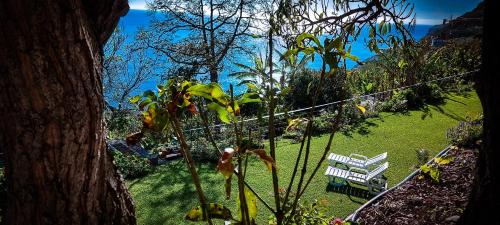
166	195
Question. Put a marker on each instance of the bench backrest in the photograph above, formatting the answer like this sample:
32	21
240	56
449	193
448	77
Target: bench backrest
377	158
377	171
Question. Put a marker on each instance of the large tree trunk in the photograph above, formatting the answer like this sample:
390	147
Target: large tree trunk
485	197
58	170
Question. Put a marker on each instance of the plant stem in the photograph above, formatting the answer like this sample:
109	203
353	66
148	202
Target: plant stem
272	132
191	166
210	136
308	135
327	148
245	218
206	129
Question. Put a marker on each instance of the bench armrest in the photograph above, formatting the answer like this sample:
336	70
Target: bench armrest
358	156
356	169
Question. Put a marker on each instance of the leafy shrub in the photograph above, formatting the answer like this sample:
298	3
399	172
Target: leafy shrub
121	123
413	98
430	171
323	123
466	133
462	87
295	136
423	156
426	93
131	166
203	151
398	102
302	87
351	114
306	214
154	141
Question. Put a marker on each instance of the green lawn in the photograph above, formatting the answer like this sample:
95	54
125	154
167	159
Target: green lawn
166	195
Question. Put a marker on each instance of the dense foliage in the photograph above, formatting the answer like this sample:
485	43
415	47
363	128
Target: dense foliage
131	166
400	74
305	81
466	133
120	123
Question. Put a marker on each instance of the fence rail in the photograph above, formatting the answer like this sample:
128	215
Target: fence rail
344	100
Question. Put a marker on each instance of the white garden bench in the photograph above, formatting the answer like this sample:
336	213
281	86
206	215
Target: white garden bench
356	160
371	179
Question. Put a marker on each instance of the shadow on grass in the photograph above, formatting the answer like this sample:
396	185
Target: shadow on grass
440	109
438	106
363	128
171	186
350	191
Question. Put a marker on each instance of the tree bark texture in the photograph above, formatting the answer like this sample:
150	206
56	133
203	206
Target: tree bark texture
52	131
485	198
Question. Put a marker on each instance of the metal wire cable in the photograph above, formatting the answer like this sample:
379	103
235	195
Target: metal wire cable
345	100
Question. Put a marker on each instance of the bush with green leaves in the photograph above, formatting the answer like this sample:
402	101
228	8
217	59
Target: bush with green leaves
121	123
351	114
397	103
295	136
466	133
306	214
155	141
463	87
429	93
203	150
304	82
422	155
131	166
323	122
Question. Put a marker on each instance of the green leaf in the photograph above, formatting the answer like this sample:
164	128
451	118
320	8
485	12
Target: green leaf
258	63
233	110
201	90
308	50
304	36
256	36
402	64
336	43
218	94
144	103
290	52
221	111
443	160
331	60
372	32
431	172
369	87
351	57
149	94
249	97
135	99
381	28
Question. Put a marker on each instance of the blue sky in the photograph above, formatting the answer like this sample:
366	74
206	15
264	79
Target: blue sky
434	11
427	11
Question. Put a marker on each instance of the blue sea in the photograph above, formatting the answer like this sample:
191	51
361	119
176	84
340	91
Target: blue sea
136	19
